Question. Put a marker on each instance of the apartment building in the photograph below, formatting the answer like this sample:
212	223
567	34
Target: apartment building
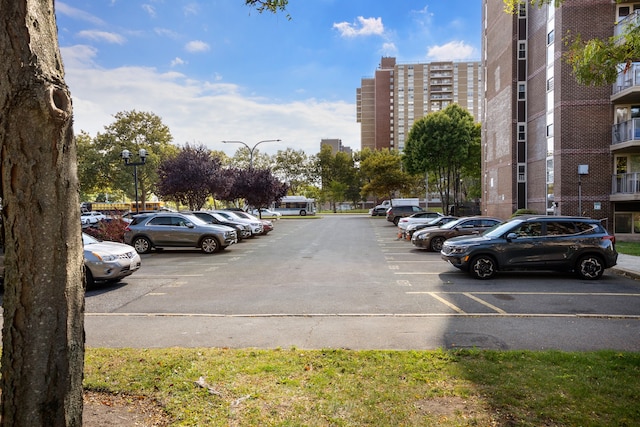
550	144
398	94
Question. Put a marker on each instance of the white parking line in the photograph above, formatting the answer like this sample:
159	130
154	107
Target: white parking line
483	302
447	303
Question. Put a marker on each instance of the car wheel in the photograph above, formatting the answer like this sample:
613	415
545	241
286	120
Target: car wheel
590	267
142	245
436	243
88	278
396	220
483	267
209	245
303	213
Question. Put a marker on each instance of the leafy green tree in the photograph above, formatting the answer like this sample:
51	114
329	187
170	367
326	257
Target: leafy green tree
382	173
133	130
595	61
189	177
338	177
439	144
293	167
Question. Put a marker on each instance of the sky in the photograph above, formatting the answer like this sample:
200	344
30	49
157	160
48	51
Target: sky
216	70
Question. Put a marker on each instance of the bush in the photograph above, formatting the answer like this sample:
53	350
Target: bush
111	230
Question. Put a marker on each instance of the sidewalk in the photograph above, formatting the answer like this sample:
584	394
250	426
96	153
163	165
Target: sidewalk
628	265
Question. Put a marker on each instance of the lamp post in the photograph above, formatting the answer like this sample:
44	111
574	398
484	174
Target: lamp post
251	149
126	156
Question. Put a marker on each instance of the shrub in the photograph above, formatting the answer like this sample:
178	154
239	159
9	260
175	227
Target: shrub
524	212
111	230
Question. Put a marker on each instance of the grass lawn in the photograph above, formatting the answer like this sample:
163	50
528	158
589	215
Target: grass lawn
296	387
628	248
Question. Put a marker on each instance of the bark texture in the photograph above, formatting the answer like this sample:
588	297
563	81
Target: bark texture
43	330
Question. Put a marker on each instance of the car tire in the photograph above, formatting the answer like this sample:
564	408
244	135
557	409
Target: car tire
303	213
88	278
483	267
209	245
142	245
590	267
436	243
396	220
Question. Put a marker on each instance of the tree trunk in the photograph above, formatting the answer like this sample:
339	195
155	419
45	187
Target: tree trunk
42	334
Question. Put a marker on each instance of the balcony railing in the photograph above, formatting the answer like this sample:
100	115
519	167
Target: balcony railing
629	20
626	183
626	131
628	78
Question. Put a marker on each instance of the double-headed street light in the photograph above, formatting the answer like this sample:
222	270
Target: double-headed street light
126	156
251	149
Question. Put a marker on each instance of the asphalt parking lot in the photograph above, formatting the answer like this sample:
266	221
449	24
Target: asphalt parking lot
345	281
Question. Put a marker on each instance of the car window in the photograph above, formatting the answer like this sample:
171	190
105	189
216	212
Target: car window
560	228
589	228
529	229
488	223
161	220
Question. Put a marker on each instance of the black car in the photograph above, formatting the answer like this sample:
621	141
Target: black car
576	244
378	211
394	213
243	230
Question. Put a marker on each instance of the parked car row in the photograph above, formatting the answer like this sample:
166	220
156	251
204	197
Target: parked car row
483	246
210	231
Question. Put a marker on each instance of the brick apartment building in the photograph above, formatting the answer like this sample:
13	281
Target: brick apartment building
389	103
547	141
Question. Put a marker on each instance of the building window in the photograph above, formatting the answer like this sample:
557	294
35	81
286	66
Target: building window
550	36
522	50
550	130
522	91
550	84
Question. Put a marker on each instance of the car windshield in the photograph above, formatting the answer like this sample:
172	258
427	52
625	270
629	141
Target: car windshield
453	223
89	240
195	220
219	217
500	229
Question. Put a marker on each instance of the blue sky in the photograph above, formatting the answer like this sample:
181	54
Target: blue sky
218	70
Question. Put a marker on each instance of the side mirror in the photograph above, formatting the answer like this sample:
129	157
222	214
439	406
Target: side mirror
190	225
512	236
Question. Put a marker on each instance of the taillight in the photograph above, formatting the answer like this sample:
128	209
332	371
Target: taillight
127	228
612	238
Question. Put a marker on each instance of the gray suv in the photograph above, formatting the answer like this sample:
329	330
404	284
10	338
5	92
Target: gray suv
172	229
576	244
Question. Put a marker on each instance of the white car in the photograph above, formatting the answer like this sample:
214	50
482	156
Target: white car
108	261
266	213
93	217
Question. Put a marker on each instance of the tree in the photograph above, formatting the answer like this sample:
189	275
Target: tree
595	61
259	188
292	166
382	173
439	144
338	177
43	304
133	130
43	330
189	177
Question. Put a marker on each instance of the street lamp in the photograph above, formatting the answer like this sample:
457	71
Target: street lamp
126	156
251	149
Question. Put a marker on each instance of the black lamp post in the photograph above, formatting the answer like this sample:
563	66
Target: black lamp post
126	156
251	149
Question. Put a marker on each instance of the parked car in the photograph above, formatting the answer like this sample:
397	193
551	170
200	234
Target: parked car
378	211
432	238
424	216
243	230
267	225
266	213
92	217
174	229
576	244
256	225
433	222
394	213
108	261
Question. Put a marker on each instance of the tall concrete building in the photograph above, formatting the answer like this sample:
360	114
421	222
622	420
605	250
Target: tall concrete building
390	102
546	140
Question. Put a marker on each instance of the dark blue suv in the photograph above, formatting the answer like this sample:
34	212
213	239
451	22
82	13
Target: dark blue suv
576	244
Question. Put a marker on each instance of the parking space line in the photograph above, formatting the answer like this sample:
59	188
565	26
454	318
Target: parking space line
483	302
447	303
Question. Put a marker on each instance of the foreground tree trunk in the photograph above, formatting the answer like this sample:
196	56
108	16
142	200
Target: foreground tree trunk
42	334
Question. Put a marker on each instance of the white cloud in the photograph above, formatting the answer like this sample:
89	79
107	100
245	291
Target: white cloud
195	46
388	49
177	61
364	27
149	9
204	112
72	12
452	51
102	36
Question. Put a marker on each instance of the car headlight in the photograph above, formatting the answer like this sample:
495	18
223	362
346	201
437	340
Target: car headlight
423	236
455	249
105	257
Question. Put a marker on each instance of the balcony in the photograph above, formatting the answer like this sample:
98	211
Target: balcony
632	20
626	187
626	89
626	136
